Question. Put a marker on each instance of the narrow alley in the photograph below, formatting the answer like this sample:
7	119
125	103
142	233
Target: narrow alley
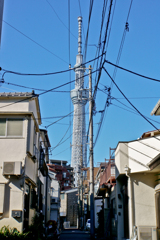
72	234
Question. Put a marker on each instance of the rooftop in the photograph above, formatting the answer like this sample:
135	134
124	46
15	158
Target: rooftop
17	94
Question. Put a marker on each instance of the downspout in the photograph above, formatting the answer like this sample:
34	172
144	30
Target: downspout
133	234
24	171
46	200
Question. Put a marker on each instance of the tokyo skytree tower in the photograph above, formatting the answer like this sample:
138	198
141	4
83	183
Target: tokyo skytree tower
79	97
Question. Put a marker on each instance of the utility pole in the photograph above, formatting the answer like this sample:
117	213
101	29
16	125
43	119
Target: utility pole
91	153
81	189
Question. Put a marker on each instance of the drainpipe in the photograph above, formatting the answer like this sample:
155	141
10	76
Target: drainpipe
127	171
46	200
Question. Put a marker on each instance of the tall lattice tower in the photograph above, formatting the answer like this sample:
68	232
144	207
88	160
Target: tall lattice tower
79	97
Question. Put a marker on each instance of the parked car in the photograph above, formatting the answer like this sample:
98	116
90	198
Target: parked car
88	224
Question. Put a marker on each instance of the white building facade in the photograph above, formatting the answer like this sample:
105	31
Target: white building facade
19	159
137	181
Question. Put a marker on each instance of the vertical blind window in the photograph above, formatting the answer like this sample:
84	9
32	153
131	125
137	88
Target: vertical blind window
2	127
14	127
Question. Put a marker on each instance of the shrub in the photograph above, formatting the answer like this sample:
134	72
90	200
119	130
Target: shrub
12	233
36	229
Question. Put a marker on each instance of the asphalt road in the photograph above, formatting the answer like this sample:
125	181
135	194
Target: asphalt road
74	234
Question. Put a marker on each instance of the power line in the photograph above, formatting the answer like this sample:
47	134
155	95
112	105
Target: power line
60	19
61	138
61	152
35	42
115	70
89	19
100	35
129	101
45	74
58	120
140	75
101	65
113	98
111	25
38	89
50	90
82	16
134	112
64	117
61	142
122	41
69	66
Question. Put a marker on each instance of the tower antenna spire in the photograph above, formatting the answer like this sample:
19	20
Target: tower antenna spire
79	97
79	35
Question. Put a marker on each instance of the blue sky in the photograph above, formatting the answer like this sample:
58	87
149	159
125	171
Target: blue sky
35	39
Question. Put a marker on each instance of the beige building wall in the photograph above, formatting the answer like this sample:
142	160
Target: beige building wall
136	156
19	149
63	207
121	158
144	198
18	107
13	200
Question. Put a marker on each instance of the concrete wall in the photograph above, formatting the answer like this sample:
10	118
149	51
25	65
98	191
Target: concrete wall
13	200
72	208
33	108
143	193
121	158
18	107
63	207
31	169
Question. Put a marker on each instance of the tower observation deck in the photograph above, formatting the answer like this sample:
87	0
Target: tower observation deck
79	97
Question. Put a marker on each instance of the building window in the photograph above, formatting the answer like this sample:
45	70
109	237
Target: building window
11	127
2	127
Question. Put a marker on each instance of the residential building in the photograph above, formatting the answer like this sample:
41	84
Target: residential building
43	179
107	190
137	187
69	208
19	161
64	176
67	166
55	198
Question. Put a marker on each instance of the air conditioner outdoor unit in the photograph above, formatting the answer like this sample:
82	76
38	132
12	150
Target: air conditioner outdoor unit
147	232
12	168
